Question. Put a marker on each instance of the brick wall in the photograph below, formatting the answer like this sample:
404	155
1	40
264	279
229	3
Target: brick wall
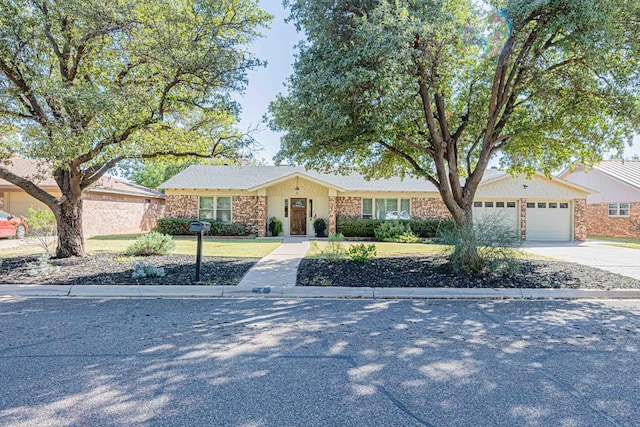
252	211
429	208
523	219
332	214
580	220
181	206
1	200
349	207
599	222
129	216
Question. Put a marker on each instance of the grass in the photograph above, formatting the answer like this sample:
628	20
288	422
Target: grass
386	250
227	248
619	241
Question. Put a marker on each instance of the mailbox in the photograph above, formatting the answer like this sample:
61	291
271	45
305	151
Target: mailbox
199	227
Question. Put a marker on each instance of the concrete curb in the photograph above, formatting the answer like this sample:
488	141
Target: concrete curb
193	291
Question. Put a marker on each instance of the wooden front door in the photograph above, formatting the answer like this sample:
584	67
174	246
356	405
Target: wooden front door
298	223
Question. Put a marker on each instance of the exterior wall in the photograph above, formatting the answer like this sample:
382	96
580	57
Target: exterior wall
349	207
580	220
332	214
523	219
1	200
609	189
429	208
18	203
537	188
252	211
104	215
182	206
599	222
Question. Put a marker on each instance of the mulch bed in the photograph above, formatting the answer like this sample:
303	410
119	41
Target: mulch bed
115	269
431	272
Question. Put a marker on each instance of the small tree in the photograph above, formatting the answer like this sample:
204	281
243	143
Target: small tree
42	228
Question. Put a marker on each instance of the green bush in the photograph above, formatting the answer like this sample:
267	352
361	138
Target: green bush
233	229
275	226
42	228
390	230
362	252
153	243
335	249
142	269
180	227
425	228
406	237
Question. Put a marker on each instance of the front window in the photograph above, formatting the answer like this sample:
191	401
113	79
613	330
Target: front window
367	208
218	208
206	208
223	209
618	209
386	208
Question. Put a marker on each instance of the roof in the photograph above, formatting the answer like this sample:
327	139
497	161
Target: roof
205	177
39	172
627	171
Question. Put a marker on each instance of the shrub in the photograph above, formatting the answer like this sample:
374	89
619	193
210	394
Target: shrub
153	243
496	245
233	229
42	267
362	252
335	248
275	226
425	228
390	230
406	237
173	226
143	269
320	226
42	228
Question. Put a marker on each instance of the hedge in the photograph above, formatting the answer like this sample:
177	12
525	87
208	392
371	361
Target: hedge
180	227
425	228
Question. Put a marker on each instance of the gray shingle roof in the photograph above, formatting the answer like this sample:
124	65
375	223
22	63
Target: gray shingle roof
244	177
627	171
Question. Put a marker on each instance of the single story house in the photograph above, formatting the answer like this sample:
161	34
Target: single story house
540	208
111	206
615	210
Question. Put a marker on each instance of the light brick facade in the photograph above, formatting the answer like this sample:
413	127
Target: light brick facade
332	214
580	220
599	223
181	206
523	219
1	200
429	208
106	214
251	211
349	207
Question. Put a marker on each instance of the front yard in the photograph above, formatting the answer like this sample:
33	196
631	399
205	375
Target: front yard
619	241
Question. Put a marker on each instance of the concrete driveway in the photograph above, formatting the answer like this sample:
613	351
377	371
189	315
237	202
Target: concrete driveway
10	243
599	254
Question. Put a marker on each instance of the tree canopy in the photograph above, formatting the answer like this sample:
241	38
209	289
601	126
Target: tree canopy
436	88
85	84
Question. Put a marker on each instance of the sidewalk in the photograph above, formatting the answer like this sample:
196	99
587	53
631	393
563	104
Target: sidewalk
195	291
280	267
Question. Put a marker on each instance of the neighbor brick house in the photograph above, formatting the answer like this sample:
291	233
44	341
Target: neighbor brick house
614	210
540	208
111	206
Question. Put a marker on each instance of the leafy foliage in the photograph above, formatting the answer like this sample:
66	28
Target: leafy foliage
143	269
425	228
320	226
42	228
275	226
180	227
42	267
152	243
334	250
362	252
396	231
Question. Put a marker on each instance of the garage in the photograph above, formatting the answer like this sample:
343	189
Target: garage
548	220
503	211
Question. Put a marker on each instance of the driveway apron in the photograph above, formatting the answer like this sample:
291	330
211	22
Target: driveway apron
280	267
598	254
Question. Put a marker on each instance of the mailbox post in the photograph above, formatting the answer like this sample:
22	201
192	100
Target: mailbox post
199	227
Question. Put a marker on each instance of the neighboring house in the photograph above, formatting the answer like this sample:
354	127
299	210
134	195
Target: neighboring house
540	208
615	210
111	206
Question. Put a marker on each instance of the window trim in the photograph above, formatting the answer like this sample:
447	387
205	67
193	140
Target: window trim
373	205
618	208
215	209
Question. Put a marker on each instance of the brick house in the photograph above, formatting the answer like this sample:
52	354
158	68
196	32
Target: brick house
615	210
111	206
540	208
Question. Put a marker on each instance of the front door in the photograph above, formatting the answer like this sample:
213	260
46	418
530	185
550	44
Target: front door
298	217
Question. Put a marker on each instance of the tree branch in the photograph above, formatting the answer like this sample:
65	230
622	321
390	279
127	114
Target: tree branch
421	171
29	187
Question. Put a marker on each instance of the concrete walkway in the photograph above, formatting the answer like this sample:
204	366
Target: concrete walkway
280	267
598	254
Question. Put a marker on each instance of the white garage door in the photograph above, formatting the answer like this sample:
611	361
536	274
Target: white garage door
503	211
548	221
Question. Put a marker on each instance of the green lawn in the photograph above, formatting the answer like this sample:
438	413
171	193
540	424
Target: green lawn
619	241
384	249
229	248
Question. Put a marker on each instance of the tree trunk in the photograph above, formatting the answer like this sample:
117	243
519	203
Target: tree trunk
69	219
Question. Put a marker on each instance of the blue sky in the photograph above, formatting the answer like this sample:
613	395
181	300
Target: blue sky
277	48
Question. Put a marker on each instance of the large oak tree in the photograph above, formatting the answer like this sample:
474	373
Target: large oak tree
436	88
85	84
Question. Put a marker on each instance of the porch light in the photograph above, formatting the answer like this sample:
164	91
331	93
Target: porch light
297	189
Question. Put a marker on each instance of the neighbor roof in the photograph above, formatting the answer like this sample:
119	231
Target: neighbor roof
204	177
40	172
627	171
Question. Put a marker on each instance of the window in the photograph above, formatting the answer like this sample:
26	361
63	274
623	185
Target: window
218	208
147	201
488	204
511	204
564	205
477	204
553	205
531	205
542	205
618	209
499	204
286	208
386	208
367	208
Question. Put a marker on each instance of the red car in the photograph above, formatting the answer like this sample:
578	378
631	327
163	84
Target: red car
12	226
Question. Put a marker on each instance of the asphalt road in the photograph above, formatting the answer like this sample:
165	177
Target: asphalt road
268	362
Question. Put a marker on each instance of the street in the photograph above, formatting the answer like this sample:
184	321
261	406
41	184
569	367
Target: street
292	362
